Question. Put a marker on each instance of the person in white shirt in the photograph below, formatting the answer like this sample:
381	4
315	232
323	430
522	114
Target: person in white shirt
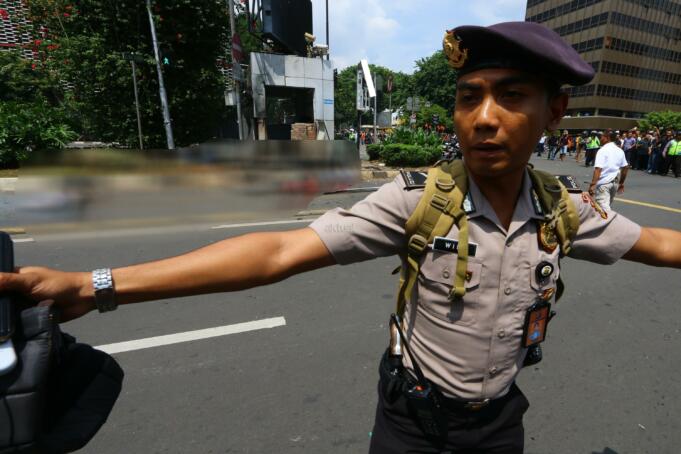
610	171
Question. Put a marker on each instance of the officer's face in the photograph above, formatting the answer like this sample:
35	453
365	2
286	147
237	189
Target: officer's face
499	116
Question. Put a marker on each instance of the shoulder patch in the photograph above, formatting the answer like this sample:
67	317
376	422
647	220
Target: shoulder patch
570	183
414	180
586	198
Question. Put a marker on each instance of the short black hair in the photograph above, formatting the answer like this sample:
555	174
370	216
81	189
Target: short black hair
612	135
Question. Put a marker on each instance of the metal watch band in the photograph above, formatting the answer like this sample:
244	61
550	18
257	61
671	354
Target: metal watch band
102	281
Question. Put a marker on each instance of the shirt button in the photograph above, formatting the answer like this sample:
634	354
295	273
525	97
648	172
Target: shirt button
508	243
445	274
493	371
501	334
507	290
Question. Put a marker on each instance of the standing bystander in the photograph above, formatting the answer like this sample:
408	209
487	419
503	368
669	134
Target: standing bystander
673	152
609	173
592	146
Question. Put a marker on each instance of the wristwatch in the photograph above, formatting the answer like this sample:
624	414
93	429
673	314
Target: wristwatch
102	281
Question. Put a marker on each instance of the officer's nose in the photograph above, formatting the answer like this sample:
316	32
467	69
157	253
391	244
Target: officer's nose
486	116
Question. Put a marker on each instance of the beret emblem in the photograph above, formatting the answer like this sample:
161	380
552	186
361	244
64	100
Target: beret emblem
451	45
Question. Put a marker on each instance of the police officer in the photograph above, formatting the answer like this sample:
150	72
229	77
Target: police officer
672	152
470	348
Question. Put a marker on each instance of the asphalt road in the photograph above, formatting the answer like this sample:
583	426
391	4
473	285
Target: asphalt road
609	382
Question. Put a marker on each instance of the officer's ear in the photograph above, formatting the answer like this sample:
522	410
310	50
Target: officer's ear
557	105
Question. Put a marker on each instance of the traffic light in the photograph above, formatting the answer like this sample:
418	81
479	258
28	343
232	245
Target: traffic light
166	55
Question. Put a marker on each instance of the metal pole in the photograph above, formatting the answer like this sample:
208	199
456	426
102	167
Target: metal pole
327	28
137	103
375	108
161	85
237	90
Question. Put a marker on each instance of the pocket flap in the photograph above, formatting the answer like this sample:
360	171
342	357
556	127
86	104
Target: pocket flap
443	270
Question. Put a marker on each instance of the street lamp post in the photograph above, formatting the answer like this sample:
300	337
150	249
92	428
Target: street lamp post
161	86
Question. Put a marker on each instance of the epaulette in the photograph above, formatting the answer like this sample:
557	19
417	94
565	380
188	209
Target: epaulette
570	183
414	180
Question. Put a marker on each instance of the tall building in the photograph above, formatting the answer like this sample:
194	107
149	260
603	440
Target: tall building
635	48
15	27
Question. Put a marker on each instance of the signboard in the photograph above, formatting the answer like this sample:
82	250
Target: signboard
367	78
328	102
413	103
389	85
132	56
435	119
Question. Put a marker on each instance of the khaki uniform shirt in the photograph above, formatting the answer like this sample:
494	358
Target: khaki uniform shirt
471	348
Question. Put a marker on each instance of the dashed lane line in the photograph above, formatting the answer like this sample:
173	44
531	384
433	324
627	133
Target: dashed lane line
649	205
189	336
23	240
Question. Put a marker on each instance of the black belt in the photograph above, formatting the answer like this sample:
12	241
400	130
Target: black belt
395	380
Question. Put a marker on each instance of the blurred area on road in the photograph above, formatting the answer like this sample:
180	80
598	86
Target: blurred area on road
210	182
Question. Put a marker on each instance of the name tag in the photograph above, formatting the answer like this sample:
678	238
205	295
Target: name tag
442	244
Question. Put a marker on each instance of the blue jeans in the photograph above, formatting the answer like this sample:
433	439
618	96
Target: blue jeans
653	161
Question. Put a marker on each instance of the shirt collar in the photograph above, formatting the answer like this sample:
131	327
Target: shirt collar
527	207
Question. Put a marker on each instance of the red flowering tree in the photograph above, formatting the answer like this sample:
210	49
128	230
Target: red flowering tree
81	43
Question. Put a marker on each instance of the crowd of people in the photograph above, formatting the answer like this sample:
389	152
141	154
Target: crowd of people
655	152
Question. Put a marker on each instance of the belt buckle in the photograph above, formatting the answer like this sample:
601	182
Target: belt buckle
475	406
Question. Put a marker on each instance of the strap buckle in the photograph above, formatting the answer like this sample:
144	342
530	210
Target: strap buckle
416	244
440	203
445	186
476	406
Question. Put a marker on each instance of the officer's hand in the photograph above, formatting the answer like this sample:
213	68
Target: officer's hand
70	292
620	189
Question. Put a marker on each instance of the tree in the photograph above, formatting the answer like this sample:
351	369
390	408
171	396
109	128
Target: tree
662	120
81	42
346	93
31	114
435	80
425	115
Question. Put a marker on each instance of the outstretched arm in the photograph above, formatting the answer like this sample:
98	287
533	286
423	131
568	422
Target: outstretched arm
657	247
234	264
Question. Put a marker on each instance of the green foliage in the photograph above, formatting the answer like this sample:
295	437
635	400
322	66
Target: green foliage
414	137
425	116
82	47
374	151
435	80
662	120
30	126
399	154
346	94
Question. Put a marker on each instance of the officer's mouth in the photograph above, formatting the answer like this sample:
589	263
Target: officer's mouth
487	148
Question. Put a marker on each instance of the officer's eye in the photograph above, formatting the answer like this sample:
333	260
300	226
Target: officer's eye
466	97
513	94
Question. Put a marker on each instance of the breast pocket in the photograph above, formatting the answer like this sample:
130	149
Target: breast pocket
544	272
436	280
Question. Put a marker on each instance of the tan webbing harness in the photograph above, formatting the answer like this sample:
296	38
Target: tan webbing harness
441	207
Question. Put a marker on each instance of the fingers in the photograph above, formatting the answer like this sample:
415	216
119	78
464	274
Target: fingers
11	282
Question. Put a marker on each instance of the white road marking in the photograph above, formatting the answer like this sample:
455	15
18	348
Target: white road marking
255	224
189	336
23	240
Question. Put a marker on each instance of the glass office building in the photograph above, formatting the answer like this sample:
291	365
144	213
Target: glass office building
635	48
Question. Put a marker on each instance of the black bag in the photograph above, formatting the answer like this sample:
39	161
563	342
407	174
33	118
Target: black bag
60	392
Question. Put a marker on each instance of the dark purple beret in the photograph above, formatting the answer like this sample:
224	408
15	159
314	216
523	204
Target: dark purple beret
526	46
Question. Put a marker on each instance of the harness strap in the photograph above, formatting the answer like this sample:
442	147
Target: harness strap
436	212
